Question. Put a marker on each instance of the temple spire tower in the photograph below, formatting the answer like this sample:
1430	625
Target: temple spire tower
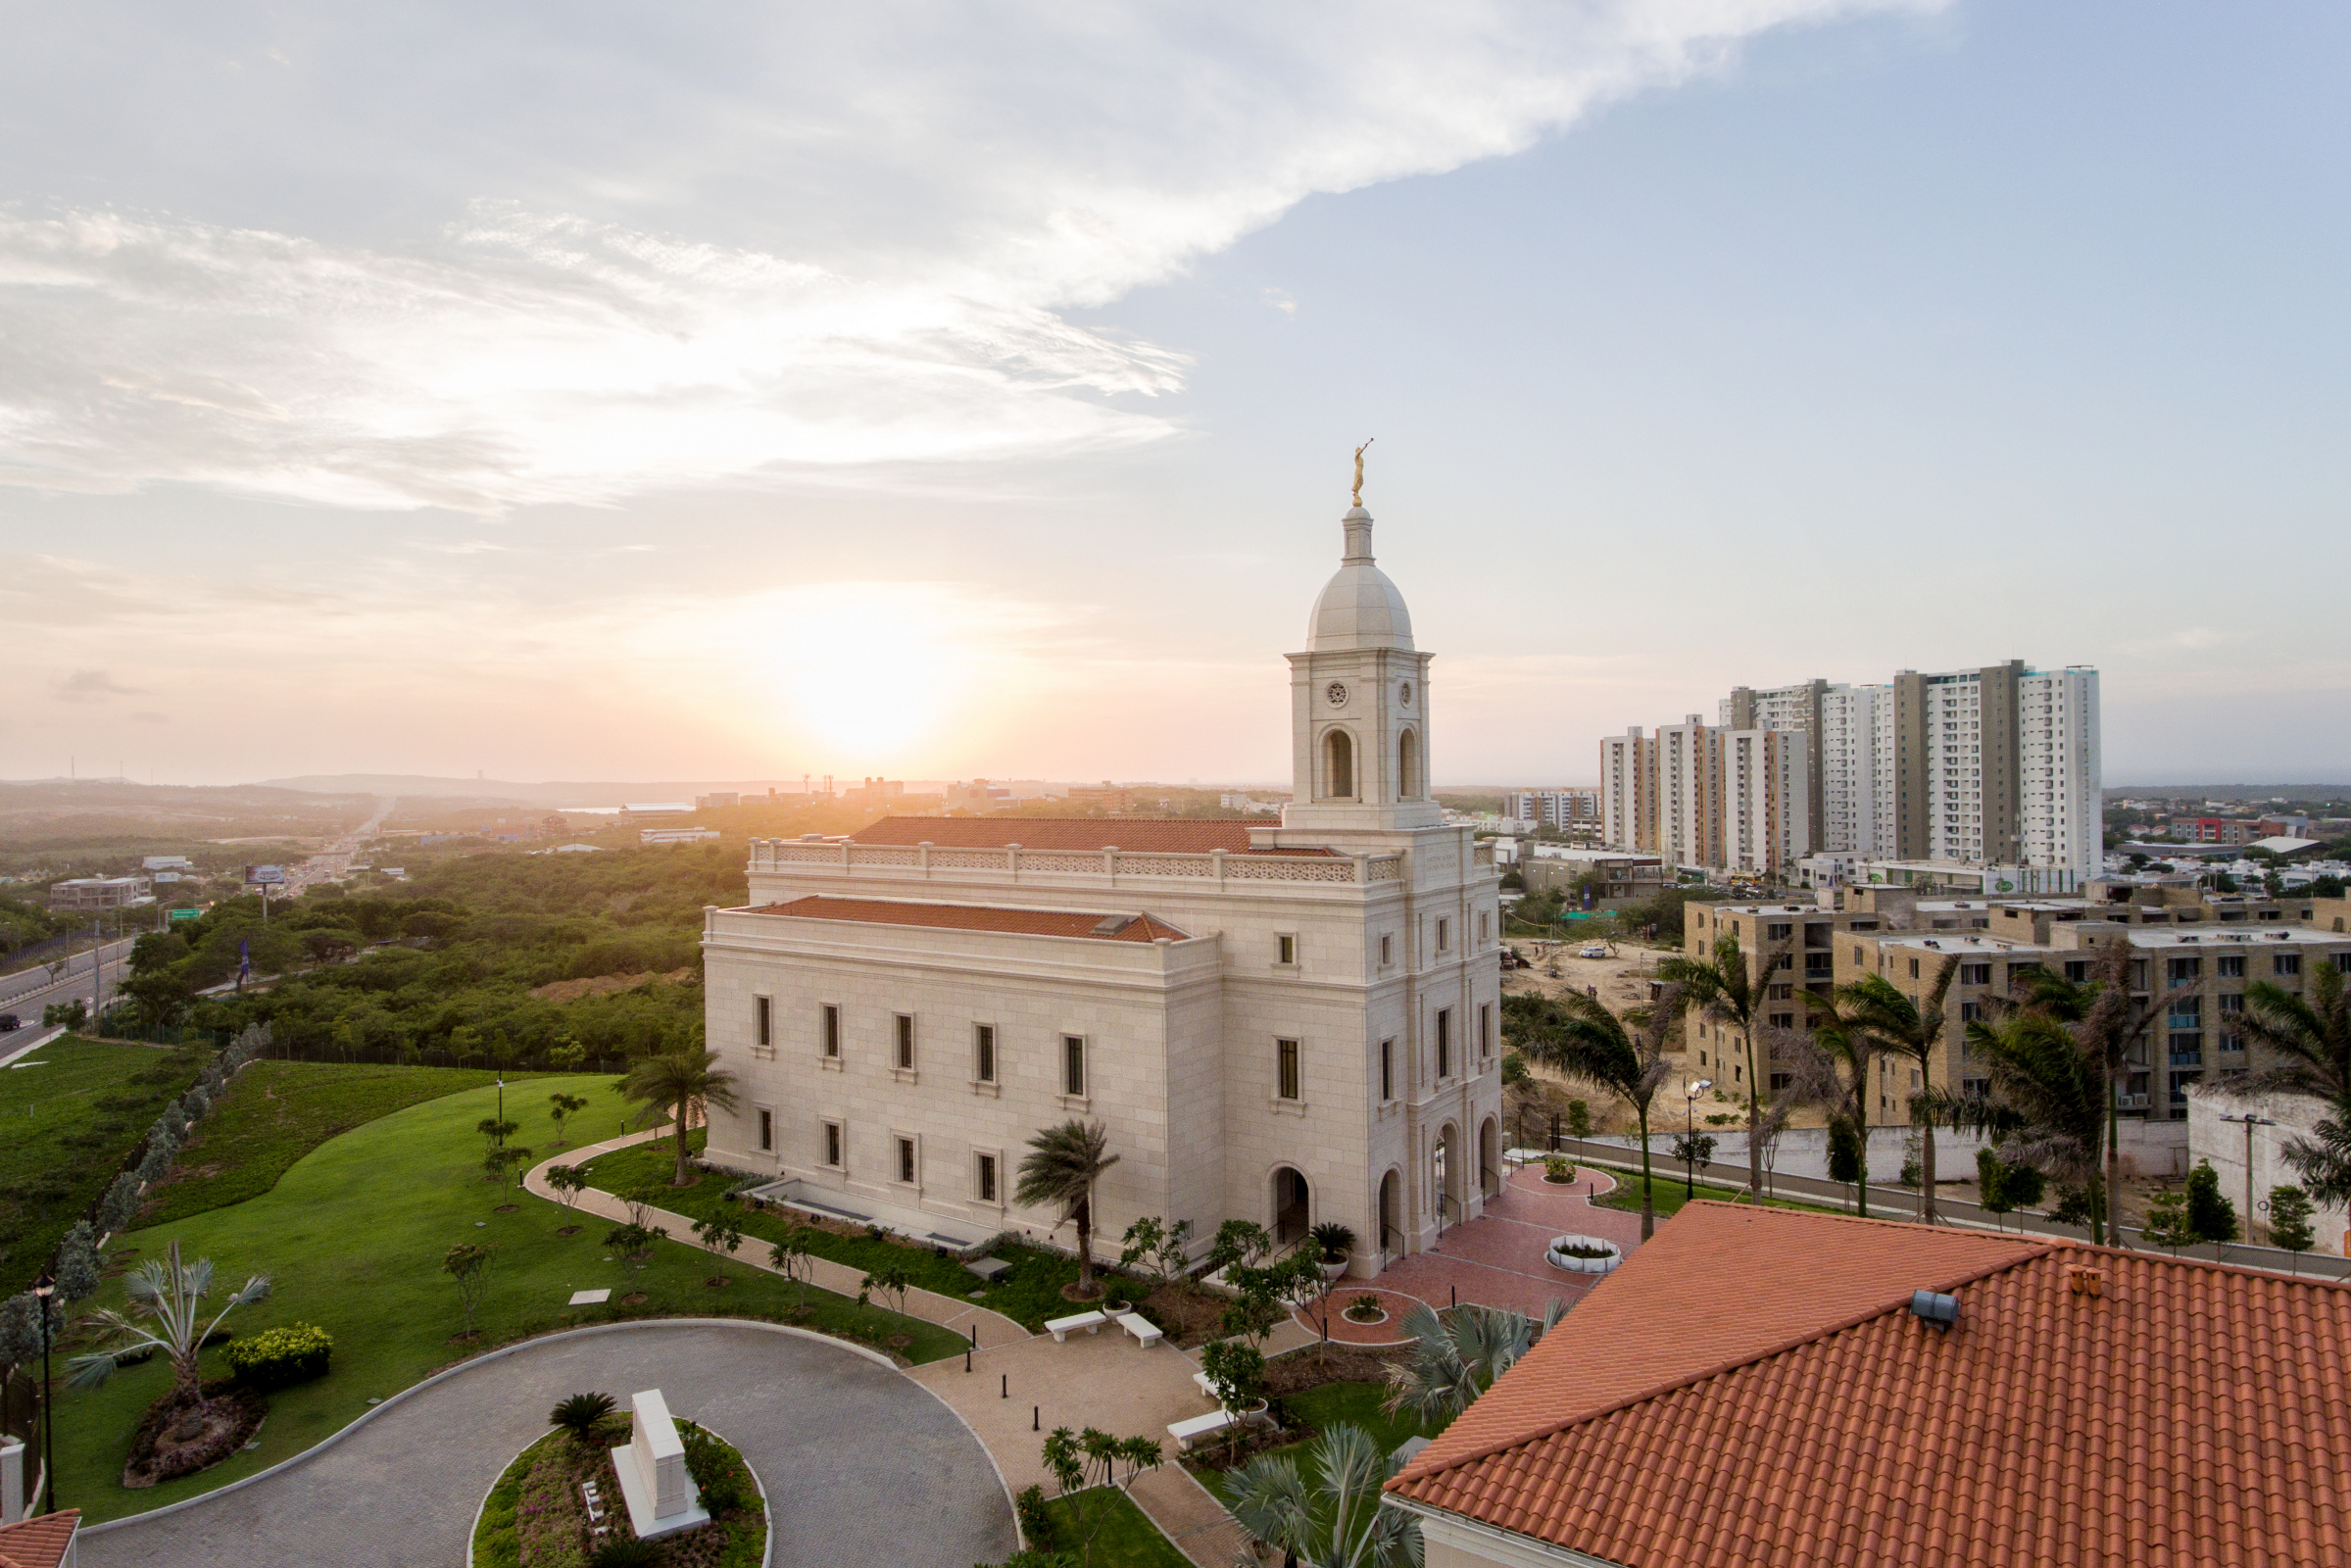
1359	703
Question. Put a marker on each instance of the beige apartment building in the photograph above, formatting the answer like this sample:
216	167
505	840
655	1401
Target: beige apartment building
1706	797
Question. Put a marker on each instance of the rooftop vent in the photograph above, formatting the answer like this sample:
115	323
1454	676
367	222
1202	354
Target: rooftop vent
2083	1280
1109	926
1941	1310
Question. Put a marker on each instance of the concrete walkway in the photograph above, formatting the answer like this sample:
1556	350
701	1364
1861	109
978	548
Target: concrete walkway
858	1464
966	1319
1498	1258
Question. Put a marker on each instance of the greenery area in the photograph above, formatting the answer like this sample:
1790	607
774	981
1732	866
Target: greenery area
536	1496
277	1111
1670	1194
70	1114
441	968
23	922
1126	1538
1028	1292
354	1236
1355	1402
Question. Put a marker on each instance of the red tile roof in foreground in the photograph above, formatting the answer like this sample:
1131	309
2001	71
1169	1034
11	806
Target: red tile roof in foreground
1142	835
981	917
1752	1388
38	1542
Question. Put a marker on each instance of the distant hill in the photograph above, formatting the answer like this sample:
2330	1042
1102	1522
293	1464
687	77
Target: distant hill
547	793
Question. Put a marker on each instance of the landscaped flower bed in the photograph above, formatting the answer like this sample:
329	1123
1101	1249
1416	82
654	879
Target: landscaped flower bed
1584	1254
536	1515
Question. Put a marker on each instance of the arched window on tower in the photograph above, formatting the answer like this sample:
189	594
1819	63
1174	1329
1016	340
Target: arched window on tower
1338	766
1408	767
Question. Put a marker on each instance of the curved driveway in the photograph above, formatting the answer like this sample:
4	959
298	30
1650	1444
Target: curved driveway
861	1463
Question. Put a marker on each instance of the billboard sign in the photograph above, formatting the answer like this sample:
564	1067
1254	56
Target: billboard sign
177	915
261	874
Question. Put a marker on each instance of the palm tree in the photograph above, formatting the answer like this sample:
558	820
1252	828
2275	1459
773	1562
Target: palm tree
584	1416
2048	1093
1581	1037
1060	1169
2311	1035
162	1298
1835	1070
1337	1521
683	1084
1457	1356
1726	990
1911	1029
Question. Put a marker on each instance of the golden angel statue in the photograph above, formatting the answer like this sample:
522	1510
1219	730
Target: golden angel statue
1359	451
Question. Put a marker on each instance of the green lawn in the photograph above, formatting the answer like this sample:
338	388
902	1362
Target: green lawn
70	1114
1127	1538
277	1111
1028	1292
1671	1194
353	1234
1357	1403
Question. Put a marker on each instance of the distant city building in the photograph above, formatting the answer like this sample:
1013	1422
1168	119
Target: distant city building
167	863
637	811
977	796
1559	808
676	835
1706	797
716	799
100	893
1105	797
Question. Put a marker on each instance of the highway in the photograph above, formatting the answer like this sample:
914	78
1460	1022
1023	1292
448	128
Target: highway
28	992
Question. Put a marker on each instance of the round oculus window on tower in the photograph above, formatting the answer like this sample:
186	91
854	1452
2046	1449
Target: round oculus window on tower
1335	694
1405	694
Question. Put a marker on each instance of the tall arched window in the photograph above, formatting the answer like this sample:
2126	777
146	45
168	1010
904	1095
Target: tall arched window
1408	767
1338	765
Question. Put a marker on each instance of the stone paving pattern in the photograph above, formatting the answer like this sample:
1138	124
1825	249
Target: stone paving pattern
859	1463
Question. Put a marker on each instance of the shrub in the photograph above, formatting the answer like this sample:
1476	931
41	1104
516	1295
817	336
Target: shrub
281	1358
2212	1216
626	1555
1555	1168
1036	1522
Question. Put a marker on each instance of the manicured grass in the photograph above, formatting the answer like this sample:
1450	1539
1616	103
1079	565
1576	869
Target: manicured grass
70	1114
354	1234
277	1111
1028	1292
1671	1194
1357	1405
1127	1538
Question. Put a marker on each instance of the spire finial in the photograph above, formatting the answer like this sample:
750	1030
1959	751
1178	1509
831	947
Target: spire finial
1359	451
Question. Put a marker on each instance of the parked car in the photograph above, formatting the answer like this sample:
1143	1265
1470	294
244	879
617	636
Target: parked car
1596	951
10	1022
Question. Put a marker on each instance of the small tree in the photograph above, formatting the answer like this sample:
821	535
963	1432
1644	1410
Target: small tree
77	1263
568	1182
2290	1230
496	1131
1238	1241
892	1280
1992	1184
503	1160
634	1241
2168	1223
2212	1216
469	1265
1162	1249
790	1257
1236	1371
162	1311
721	1233
585	1417
1579	1119
1086	1462
559	1105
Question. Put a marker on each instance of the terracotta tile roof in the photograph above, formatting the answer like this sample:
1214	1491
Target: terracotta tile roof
1107	927
1143	835
1752	1388
38	1542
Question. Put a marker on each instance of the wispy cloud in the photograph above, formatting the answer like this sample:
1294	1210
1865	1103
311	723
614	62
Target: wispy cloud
944	190
92	686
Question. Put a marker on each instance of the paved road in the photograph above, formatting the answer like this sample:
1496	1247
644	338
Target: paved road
26	992
860	1464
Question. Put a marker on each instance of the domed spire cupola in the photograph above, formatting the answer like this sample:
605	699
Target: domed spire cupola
1360	703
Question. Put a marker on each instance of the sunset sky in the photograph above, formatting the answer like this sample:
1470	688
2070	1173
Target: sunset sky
658	392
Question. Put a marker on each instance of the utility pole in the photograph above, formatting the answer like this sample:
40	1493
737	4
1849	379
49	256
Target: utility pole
2251	1121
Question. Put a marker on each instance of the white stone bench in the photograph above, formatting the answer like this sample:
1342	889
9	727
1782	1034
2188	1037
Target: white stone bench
1186	1432
1062	1328
1142	1328
1208	1389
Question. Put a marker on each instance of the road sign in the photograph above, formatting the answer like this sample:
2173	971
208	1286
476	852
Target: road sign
177	915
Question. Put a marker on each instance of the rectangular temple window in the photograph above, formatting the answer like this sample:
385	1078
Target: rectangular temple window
1286	1073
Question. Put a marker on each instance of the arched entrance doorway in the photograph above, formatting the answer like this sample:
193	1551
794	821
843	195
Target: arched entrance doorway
1490	1157
1445	1176
1391	1219
1292	1212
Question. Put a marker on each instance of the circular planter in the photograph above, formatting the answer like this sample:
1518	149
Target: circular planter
1558	1259
1365	1322
519	1465
1568	1179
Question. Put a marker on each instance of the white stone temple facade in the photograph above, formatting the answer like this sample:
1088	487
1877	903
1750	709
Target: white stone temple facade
1289	1025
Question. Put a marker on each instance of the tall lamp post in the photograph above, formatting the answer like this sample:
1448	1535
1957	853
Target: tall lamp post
44	1288
1690	1137
2251	1121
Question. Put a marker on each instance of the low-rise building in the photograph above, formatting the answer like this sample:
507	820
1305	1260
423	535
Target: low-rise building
1757	1386
100	893
677	835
